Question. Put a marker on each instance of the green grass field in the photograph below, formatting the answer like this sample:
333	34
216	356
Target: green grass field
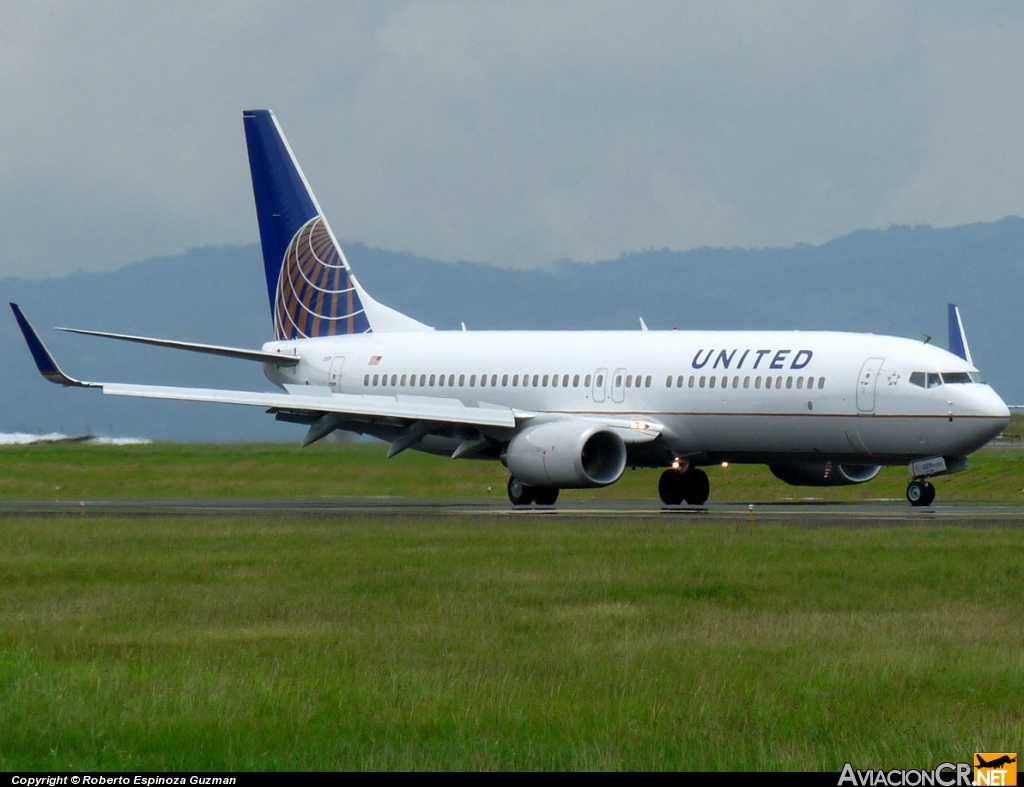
275	470
270	642
255	643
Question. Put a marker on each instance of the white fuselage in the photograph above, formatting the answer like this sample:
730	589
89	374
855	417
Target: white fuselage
741	396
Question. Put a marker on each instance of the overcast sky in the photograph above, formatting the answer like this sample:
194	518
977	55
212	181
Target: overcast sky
512	132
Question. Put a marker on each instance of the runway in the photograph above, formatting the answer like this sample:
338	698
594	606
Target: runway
887	513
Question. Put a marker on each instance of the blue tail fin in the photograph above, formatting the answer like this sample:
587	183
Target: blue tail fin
311	289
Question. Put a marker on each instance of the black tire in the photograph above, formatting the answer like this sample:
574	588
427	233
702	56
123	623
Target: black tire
670	487
545	496
519	493
698	487
917	493
929	496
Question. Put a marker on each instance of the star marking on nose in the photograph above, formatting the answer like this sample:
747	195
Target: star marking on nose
894	378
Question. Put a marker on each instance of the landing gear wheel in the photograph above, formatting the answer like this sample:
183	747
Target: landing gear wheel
671	487
545	496
698	488
519	493
920	493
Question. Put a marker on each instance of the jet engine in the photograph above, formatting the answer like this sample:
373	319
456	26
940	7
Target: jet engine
567	455
824	473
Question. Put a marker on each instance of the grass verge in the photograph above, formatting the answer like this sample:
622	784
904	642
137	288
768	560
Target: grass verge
264	643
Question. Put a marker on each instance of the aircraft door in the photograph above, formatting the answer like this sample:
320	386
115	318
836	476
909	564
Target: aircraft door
600	381
334	375
618	385
866	385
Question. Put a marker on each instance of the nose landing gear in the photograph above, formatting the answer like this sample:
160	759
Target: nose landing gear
920	493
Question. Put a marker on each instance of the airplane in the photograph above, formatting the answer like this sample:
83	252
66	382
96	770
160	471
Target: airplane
996	763
574	409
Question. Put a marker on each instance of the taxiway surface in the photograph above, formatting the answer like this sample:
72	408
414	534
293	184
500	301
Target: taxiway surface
884	513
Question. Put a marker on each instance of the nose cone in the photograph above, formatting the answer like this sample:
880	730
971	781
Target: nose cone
991	412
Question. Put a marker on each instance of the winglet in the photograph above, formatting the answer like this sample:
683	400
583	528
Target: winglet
957	337
44	361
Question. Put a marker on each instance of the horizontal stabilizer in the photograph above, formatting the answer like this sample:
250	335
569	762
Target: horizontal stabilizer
208	349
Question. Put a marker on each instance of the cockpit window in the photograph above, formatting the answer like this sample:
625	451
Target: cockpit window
933	379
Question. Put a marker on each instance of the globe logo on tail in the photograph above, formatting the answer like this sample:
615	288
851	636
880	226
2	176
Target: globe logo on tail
315	292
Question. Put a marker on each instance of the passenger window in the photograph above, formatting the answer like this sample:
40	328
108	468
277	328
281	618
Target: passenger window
394	379
451	380
736	381
757	381
599	382
768	381
403	380
472	380
647	381
565	381
799	383
618	381
746	381
679	382
821	383
789	382
576	381
544	381
432	378
535	378
494	380
554	381
691	380
515	380
462	381
440	381
778	381
483	380
366	380
810	383
504	381
376	379
711	382
702	381
668	381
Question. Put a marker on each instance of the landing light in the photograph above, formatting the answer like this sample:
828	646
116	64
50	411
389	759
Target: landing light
725	464
675	464
640	426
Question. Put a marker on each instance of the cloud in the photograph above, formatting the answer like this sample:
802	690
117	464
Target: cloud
515	133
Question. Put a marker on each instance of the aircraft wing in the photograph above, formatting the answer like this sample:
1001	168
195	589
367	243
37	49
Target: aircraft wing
323	400
322	408
313	401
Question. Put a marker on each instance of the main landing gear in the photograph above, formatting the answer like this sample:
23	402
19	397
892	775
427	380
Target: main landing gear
920	492
522	495
691	486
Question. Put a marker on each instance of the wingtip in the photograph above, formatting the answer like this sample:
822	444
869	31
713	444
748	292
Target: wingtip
45	363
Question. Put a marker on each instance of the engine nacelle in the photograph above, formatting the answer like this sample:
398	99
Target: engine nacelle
824	473
567	455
